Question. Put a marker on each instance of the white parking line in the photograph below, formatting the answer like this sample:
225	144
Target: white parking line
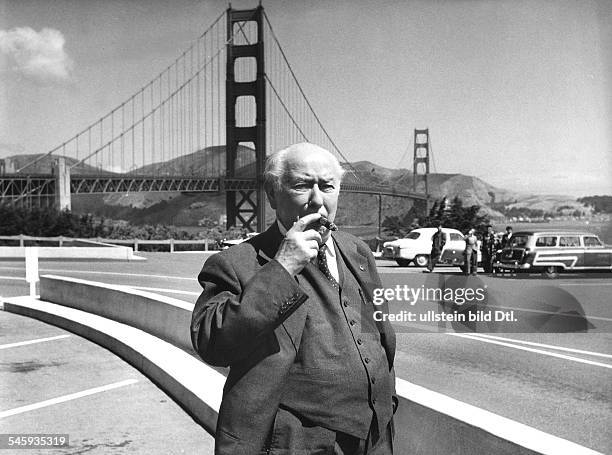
95	272
567	315
16	278
550	346
172	291
72	396
537	351
38	340
605	283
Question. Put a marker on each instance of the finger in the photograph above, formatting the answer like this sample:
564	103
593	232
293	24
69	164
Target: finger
313	245
301	224
311	234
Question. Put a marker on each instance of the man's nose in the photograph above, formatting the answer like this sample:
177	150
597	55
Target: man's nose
316	196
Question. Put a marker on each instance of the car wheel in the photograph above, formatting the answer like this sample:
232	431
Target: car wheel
403	262
421	260
551	271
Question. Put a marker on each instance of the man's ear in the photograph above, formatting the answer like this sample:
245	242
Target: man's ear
271	193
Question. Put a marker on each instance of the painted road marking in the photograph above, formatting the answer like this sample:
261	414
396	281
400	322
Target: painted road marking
16	278
537	351
38	340
172	291
72	396
94	272
603	283
579	316
542	345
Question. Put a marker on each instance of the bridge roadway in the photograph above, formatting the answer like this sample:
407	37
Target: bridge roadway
18	185
557	383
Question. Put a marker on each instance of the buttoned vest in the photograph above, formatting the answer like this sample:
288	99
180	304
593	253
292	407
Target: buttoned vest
340	378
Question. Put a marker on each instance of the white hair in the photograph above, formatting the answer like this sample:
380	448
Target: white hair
276	164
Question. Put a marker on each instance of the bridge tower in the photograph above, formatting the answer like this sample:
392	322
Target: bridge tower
245	206
420	165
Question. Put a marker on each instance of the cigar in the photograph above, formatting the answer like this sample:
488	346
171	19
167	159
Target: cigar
328	224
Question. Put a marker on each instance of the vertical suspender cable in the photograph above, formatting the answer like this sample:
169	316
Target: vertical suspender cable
198	100
122	138
134	132
218	93
152	126
142	124
162	105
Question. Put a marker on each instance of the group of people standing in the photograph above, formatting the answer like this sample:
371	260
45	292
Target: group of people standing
490	243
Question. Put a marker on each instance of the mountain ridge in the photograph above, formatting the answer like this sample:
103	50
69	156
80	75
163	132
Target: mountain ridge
211	161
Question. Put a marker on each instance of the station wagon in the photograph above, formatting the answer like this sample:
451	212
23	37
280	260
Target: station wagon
552	252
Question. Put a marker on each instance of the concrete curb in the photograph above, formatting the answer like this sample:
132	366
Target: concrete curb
191	383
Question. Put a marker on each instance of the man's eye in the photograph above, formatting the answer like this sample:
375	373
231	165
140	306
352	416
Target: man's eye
328	188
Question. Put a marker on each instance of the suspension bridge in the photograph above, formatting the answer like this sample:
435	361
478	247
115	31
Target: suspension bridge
203	124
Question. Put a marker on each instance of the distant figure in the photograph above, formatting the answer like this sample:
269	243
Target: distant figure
470	253
505	241
437	244
489	245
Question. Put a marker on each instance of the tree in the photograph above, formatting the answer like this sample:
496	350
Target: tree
400	226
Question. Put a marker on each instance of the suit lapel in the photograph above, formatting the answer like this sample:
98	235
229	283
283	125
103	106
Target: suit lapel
356	262
267	244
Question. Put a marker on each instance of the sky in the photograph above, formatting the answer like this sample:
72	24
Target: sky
518	93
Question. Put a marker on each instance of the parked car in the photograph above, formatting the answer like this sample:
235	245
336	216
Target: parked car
552	252
416	248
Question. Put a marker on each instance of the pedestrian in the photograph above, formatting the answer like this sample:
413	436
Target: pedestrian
290	312
437	244
505	241
488	249
470	253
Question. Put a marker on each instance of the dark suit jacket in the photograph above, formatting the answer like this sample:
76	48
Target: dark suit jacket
250	317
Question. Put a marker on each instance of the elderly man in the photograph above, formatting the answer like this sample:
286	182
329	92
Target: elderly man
290	312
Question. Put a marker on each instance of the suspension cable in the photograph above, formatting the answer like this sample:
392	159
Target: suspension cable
304	95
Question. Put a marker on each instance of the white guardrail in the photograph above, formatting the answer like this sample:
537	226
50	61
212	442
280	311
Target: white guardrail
100	241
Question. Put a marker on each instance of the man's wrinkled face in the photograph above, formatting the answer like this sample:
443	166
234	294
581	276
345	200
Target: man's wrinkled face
310	184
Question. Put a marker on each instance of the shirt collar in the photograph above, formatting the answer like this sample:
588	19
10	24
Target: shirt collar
329	244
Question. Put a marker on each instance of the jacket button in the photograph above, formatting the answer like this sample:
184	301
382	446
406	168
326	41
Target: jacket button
359	341
366	360
373	380
345	303
373	400
352	322
362	268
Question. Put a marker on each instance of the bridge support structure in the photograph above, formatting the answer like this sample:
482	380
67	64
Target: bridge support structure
245	207
420	164
420	168
62	184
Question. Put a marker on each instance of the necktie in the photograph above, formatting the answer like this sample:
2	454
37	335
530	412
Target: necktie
322	262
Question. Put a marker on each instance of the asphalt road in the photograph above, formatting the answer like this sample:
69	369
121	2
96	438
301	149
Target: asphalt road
560	383
63	384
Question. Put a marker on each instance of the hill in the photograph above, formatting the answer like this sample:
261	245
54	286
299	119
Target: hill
46	164
354	209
